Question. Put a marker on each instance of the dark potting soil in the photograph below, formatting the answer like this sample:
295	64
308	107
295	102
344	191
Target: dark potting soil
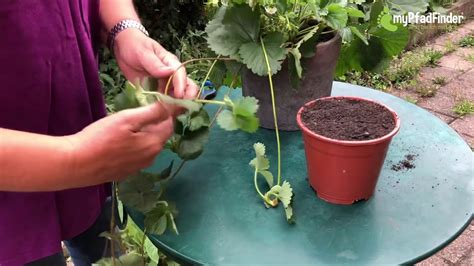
404	164
348	119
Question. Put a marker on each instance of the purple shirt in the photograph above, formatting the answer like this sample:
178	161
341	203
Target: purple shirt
49	84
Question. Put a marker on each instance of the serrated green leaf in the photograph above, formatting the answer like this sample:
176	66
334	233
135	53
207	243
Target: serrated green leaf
155	220
226	121
354	12
192	144
337	16
244	21
268	177
289	213
285	194
151	250
253	57
137	192
231	27
248	124
382	46
357	33
199	120
259	149
260	162
245	106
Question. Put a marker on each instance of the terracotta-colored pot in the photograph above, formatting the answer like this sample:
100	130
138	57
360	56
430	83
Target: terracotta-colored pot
341	171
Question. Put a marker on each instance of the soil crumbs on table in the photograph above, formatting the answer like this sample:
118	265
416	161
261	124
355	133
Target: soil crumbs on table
404	164
348	119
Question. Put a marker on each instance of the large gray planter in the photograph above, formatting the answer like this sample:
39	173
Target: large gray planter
316	83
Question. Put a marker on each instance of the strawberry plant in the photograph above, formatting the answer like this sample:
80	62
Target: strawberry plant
144	190
291	29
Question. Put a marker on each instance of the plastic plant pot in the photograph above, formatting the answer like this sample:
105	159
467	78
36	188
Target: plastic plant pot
341	171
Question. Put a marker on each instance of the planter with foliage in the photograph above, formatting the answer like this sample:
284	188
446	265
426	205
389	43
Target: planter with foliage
291	31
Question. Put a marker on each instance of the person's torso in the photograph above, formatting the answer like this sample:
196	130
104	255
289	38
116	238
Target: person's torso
49	84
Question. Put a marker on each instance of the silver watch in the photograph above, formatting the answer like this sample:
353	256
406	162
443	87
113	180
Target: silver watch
122	25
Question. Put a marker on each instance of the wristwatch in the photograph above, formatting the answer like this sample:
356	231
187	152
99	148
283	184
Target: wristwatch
122	25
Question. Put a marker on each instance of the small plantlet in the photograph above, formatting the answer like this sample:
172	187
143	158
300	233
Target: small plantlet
411	100
467	41
470	57
433	57
449	47
427	90
464	107
439	80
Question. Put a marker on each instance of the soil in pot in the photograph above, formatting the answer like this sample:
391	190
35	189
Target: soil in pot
348	119
346	140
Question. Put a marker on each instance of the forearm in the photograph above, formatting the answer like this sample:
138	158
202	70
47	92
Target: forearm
113	11
34	162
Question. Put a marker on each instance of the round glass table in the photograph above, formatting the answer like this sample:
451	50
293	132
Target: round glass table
413	213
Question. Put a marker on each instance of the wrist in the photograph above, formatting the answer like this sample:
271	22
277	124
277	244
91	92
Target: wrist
126	25
79	164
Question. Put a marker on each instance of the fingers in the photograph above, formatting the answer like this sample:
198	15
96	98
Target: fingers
156	67
138	118
191	89
171	61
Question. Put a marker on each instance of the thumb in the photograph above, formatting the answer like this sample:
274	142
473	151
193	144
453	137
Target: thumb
155	67
140	117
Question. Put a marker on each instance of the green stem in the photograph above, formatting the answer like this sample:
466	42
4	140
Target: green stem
177	170
256	185
168	83
210	101
149	92
274	109
207	76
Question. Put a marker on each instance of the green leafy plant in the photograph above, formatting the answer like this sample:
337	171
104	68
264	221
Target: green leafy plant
439	80
144	191
433	56
427	90
467	41
291	29
464	107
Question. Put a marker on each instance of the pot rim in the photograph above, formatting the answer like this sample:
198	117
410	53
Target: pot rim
336	38
388	136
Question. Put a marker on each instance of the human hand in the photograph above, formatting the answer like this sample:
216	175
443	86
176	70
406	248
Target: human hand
121	144
139	56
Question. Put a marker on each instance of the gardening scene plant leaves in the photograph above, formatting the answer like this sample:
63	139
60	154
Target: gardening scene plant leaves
239	114
276	193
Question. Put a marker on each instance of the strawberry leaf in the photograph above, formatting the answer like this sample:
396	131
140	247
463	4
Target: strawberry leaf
191	145
253	57
156	221
137	192
227	121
